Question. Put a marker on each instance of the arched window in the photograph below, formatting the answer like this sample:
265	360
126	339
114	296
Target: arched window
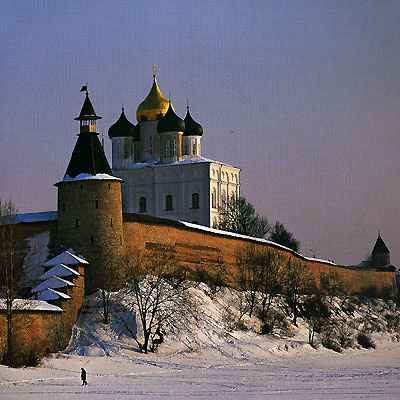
224	200
195	200
168	202
142	205
194	147
214	199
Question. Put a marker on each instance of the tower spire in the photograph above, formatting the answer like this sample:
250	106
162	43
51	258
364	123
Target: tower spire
87	117
154	71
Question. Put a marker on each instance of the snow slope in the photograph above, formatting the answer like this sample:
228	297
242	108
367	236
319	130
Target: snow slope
207	360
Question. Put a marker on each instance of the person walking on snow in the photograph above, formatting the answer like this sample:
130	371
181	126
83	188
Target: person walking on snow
83	376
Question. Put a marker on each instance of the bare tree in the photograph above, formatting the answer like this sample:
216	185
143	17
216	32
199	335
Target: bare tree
316	314
331	284
260	276
273	277
158	291
111	276
298	281
9	241
249	276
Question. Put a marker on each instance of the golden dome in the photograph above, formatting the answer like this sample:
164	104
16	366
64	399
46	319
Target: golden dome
154	106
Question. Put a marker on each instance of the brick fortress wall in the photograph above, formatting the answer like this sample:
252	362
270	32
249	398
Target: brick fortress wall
41	332
190	246
195	247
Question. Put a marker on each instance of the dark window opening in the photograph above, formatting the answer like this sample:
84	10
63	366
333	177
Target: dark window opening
142	205
120	240
109	186
77	223
92	239
111	223
97	204
195	200
168	202
81	187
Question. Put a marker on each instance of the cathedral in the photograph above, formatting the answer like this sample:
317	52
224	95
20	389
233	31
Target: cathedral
162	170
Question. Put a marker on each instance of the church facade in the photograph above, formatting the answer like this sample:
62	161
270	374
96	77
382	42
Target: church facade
161	166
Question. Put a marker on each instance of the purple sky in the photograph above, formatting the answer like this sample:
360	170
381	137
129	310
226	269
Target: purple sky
303	96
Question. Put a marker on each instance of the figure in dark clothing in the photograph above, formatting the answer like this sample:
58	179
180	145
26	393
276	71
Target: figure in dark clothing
83	376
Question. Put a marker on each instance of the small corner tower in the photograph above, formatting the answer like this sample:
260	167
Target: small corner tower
89	203
380	253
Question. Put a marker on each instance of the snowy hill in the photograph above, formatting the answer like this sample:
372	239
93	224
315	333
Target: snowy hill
211	358
215	329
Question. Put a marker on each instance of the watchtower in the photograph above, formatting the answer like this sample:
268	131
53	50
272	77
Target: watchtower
89	205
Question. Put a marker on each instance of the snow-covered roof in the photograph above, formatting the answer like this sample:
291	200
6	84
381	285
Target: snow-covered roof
30	305
188	160
237	235
37	217
52	283
51	294
59	270
86	177
66	258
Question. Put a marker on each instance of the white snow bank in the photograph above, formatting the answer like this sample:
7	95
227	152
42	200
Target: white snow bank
52	283
30	305
66	258
59	270
86	177
38	252
51	294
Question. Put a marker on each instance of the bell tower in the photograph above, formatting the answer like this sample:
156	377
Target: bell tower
89	205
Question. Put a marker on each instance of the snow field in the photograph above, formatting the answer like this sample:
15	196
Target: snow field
207	360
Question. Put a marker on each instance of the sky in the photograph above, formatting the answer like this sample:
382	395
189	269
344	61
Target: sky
303	96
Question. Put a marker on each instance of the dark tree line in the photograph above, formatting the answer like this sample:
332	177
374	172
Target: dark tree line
239	216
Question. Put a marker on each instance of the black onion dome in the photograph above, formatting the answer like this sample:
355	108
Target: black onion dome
122	128
192	128
170	122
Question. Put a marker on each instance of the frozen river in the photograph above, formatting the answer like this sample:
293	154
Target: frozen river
303	374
